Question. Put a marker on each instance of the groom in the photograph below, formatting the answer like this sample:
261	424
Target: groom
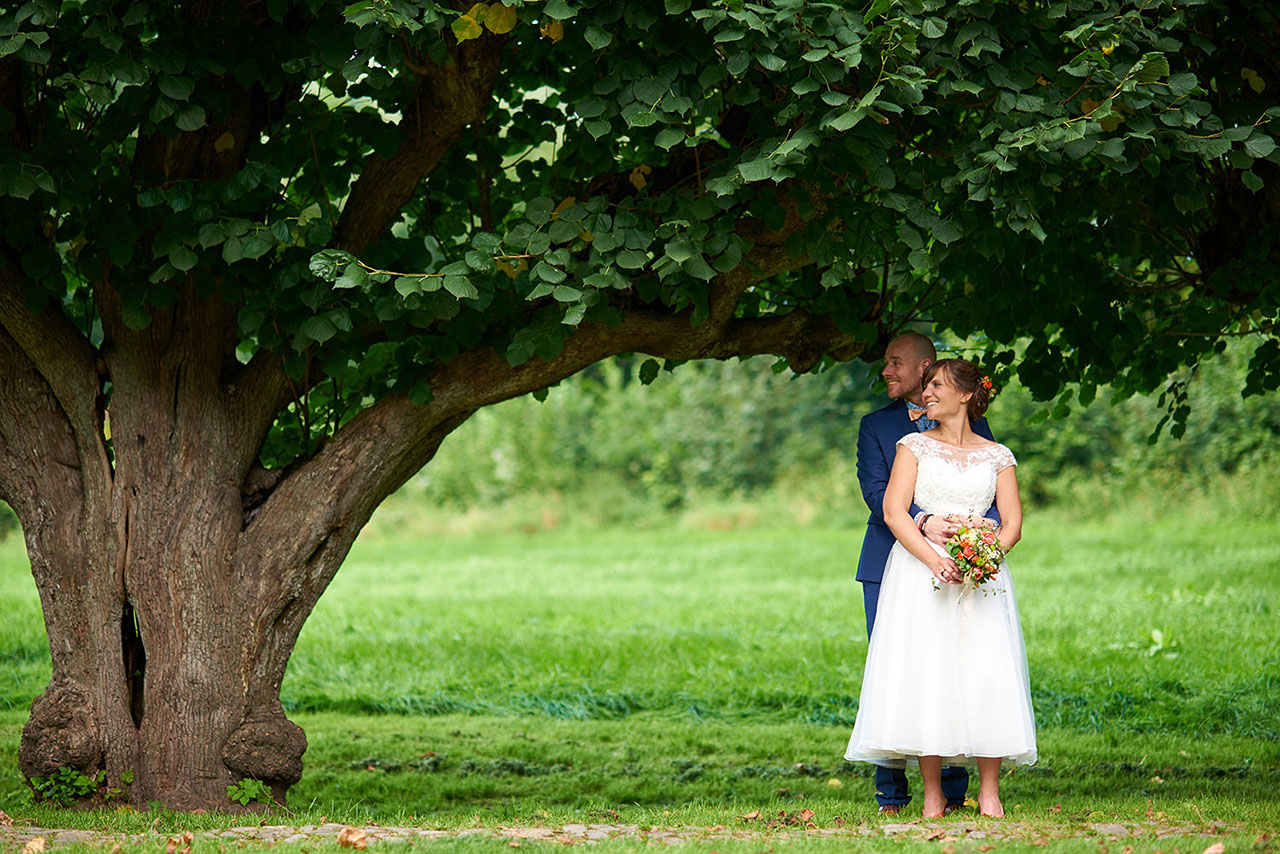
904	362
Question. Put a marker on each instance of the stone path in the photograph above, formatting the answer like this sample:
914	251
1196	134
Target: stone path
14	838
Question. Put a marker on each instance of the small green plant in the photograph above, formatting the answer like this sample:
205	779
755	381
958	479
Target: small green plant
67	785
249	790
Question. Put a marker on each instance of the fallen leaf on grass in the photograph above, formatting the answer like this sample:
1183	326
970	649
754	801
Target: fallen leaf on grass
751	816
1056	808
5	821
717	828
985	847
947	849
835	783
34	845
180	844
937	834
352	837
806	814
514	844
1128	849
1215	848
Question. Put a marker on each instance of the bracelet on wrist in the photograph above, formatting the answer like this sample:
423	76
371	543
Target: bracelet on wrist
925	518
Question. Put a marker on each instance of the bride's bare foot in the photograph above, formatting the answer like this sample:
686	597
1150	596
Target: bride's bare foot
990	806
934	807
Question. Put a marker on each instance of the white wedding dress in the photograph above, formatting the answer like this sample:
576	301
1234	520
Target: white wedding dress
946	670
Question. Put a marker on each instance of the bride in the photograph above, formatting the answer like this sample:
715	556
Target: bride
946	676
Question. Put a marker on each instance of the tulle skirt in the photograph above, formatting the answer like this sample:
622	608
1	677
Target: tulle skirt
946	673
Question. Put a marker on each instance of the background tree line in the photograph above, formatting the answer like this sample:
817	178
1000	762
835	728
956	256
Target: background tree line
716	430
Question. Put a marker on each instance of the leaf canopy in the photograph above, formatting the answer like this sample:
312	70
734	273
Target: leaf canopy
379	188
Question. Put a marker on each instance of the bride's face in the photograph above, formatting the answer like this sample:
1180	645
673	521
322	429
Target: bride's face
941	397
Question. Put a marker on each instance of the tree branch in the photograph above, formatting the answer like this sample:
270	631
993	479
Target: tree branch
446	99
66	361
37	442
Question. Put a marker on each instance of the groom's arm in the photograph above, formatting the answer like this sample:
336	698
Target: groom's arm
983	429
873	471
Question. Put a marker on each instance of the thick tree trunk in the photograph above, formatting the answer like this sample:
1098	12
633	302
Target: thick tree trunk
170	619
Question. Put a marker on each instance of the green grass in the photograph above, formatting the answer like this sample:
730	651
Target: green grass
683	676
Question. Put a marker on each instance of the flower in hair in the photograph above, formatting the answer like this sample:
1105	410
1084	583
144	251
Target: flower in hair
989	386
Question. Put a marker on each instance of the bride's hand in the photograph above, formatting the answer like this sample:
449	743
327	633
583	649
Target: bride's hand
945	570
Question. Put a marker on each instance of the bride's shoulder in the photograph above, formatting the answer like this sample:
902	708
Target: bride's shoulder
913	442
1003	456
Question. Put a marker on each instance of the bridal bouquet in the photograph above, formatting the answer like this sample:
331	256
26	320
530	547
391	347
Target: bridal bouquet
978	553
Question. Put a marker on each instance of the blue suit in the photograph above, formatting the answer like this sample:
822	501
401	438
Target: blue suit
878	436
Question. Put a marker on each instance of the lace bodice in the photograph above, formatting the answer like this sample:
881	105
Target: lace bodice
955	480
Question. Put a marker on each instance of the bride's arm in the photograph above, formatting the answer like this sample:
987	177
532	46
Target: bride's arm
1010	506
897	515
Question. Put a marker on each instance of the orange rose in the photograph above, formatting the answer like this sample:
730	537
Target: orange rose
989	537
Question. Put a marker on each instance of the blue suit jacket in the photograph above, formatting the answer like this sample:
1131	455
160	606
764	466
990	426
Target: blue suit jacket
878	436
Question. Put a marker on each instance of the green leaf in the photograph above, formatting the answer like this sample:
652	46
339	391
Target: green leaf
538	211
933	28
668	137
598	39
678	7
547	273
1183	83
353	276
946	231
883	178
182	258
679	251
1151	68
632	259
420	393
698	268
559	10
319	328
1259	145
649	371
460	287
406	285
565	293
233	250
1252	181
481	262
756	170
327	264
177	88
135	317
190	118
211	234
641	118
847	120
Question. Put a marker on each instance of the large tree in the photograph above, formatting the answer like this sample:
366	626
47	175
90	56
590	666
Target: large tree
259	258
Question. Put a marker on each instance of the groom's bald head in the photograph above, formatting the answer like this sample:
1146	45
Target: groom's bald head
920	347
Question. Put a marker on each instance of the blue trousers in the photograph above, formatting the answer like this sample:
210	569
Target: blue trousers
891	783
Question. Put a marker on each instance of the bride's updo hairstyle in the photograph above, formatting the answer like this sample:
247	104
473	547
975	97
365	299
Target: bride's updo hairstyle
966	377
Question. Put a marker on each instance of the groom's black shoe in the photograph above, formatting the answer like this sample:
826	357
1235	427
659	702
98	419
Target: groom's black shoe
890	809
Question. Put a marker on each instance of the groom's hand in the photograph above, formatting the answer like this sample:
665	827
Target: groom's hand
939	529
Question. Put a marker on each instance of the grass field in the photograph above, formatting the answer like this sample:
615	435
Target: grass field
681	676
